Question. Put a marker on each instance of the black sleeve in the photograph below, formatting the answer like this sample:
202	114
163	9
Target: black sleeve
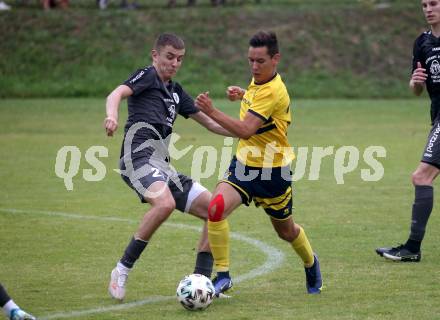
187	106
417	54
140	80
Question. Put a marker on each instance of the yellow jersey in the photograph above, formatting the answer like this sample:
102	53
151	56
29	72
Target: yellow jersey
269	146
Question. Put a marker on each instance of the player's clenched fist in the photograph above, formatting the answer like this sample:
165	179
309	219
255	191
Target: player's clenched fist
419	75
110	125
235	93
204	103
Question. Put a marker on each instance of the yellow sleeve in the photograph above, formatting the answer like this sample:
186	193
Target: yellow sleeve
263	103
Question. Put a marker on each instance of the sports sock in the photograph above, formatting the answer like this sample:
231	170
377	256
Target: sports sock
133	252
4	297
218	236
204	263
122	269
421	210
8	307
302	247
413	245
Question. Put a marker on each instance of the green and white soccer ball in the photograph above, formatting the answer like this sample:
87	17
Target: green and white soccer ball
195	292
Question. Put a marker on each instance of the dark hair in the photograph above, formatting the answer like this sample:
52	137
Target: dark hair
265	39
168	39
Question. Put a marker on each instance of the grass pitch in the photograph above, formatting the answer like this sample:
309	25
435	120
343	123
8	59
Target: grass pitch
58	246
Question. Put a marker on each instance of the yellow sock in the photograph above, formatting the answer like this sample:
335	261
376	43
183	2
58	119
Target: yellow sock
218	236
302	247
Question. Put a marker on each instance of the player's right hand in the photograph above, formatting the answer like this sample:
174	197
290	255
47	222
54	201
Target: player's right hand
419	75
110	125
235	93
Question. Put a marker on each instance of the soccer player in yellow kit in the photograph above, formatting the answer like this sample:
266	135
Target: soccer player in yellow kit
260	170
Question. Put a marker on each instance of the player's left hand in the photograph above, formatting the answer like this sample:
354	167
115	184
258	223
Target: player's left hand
204	103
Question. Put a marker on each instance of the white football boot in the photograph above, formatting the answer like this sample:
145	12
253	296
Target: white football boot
118	280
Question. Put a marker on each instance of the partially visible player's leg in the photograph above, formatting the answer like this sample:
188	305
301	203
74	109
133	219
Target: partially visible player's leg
11	309
192	197
198	202
294	234
224	200
162	205
275	196
4	297
197	205
422	179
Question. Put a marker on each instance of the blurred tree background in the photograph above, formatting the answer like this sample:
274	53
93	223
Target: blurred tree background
341	48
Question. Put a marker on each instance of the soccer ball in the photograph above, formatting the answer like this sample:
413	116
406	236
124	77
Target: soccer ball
195	292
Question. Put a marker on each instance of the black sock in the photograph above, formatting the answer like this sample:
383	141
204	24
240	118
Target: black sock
204	263
422	207
413	245
133	252
4	298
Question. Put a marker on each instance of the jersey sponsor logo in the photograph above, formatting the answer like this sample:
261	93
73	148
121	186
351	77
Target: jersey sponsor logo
138	76
431	142
246	102
172	112
435	67
176	97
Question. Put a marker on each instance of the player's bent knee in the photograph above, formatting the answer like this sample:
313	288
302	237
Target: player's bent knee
166	207
419	179
216	208
169	206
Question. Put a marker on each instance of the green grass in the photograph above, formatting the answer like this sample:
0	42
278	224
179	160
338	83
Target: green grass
53	264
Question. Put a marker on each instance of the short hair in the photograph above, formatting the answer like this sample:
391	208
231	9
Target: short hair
265	39
168	39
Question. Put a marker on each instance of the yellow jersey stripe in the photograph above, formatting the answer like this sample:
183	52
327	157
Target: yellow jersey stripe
258	115
266	128
275	200
274	203
278	206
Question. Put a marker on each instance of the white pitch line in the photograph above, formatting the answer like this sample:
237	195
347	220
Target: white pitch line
274	259
122	306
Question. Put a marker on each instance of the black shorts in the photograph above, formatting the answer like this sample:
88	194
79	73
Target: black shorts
145	172
431	153
270	188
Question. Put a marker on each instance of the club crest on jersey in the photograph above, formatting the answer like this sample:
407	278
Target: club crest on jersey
435	67
176	97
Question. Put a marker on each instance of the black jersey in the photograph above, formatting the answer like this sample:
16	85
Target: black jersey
155	103
427	52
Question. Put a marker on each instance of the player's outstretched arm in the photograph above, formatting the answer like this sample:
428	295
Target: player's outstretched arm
244	129
112	107
418	80
210	124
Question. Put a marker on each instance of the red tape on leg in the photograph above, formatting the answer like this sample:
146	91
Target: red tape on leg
216	208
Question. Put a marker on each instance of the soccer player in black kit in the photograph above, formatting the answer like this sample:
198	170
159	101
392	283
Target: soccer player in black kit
426	72
154	101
